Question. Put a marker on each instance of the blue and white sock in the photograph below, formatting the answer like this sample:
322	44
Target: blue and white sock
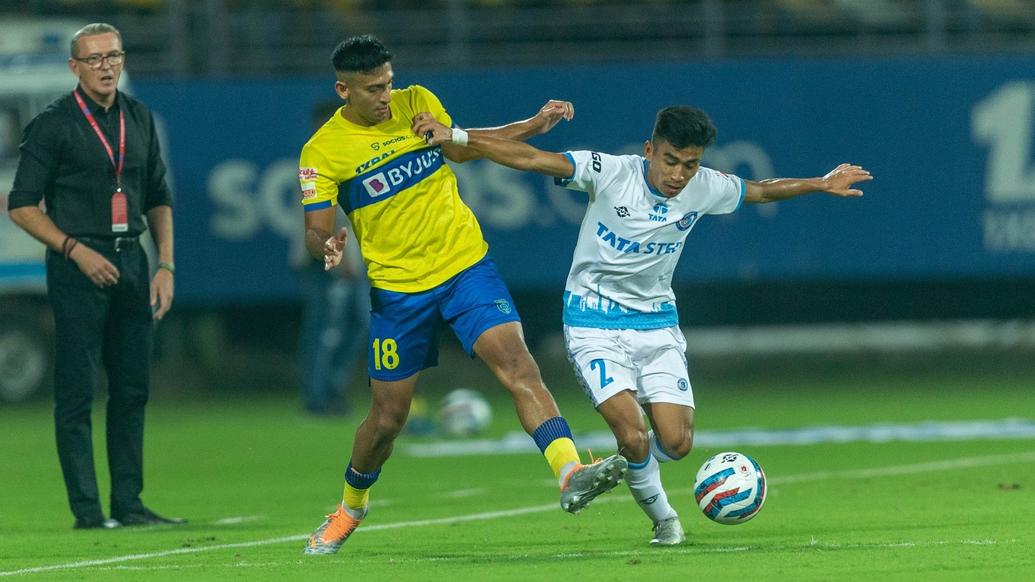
644	480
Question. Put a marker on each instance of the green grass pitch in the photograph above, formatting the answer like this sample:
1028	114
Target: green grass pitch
255	477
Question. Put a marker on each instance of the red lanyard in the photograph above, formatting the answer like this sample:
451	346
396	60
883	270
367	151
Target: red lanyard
104	141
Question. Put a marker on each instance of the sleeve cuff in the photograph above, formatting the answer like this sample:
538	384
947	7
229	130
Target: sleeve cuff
20	198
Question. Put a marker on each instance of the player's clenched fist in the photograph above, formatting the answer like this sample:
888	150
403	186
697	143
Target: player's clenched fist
333	248
433	132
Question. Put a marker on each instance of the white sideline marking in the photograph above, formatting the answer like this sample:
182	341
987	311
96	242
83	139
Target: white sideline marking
519	443
961	463
950	465
460	493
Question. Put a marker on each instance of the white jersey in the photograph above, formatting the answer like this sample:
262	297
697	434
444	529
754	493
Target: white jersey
631	239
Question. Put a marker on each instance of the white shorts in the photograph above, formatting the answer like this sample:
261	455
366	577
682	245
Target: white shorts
651	363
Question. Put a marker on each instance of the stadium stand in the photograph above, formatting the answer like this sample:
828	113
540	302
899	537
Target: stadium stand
262	37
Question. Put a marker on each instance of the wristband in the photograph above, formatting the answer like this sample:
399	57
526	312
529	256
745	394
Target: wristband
67	246
459	136
168	266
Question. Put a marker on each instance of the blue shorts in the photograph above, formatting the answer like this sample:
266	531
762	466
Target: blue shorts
404	327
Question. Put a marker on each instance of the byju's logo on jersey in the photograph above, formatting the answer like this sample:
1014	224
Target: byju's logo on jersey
660	210
377	185
622	211
688	220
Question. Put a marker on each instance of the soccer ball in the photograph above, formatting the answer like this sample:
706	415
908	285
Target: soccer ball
464	412
730	488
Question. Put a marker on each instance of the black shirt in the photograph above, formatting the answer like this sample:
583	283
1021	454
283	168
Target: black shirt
63	163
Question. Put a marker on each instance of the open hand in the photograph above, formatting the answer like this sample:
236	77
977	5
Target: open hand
95	266
333	248
161	293
839	180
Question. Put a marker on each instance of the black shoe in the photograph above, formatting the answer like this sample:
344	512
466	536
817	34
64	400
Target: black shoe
98	522
148	517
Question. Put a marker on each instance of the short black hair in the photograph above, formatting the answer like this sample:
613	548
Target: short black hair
360	53
684	127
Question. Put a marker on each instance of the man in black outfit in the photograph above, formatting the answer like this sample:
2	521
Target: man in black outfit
93	157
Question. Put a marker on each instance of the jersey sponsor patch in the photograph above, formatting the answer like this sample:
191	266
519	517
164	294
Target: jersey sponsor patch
394	176
307	174
376	185
308	190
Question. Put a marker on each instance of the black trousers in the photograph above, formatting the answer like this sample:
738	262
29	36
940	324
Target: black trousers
110	327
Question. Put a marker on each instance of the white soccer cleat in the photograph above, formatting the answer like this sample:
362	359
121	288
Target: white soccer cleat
668	532
586	482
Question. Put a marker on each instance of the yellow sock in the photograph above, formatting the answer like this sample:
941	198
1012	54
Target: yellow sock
355	498
559	453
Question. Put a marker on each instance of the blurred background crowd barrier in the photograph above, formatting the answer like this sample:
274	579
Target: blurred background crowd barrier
935	97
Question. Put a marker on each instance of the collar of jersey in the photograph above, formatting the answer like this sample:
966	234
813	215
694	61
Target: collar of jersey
650	188
96	107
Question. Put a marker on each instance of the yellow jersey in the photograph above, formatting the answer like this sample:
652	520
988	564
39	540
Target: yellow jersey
413	229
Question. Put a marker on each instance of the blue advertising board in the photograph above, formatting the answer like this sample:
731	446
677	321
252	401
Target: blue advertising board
949	141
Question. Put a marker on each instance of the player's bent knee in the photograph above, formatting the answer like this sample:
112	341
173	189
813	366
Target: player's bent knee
677	446
390	424
681	448
633	443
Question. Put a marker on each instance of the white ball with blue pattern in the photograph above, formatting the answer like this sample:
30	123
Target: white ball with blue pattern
730	488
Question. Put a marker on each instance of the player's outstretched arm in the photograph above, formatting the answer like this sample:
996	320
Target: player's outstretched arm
838	182
507	152
548	116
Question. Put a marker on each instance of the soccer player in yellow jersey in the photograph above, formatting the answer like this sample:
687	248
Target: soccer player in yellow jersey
428	266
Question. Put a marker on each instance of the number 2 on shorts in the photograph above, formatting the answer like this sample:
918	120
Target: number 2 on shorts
604	379
386	354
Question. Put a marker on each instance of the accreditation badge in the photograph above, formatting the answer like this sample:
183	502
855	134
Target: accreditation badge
119	212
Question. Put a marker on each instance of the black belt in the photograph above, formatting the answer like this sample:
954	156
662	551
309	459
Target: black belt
115	243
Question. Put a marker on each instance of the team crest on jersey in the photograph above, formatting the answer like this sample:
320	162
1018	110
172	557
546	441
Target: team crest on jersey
503	305
688	220
683	385
376	185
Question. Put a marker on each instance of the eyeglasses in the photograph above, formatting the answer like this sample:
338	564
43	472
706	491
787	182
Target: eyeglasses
94	61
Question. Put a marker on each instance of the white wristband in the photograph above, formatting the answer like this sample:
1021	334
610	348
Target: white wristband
459	136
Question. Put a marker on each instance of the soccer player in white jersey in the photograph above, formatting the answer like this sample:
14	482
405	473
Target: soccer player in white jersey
620	321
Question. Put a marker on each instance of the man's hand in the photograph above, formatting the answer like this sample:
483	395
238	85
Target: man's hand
161	293
333	248
433	132
839	180
552	113
98	269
